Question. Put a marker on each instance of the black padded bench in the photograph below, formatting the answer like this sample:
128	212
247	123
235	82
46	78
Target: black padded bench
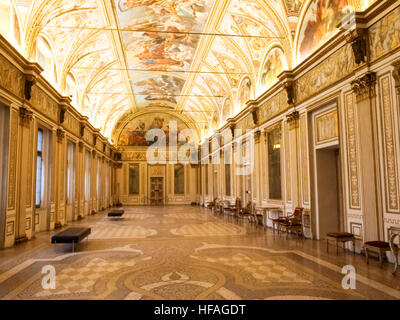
117	213
71	235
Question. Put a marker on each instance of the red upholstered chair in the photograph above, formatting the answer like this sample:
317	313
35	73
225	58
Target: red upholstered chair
283	220
292	222
247	211
211	204
233	209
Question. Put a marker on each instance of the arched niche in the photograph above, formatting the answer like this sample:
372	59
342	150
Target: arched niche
273	64
318	24
132	129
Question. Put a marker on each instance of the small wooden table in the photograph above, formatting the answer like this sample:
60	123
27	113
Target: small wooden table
266	213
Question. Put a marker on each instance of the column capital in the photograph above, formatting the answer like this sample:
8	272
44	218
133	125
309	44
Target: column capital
257	136
396	75
60	135
26	116
293	119
364	87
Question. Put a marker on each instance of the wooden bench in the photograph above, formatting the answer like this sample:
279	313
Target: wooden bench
116	213
342	237
378	247
71	235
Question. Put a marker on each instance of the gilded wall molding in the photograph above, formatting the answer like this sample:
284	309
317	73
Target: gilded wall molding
390	163
326	126
12	169
352	151
287	164
304	158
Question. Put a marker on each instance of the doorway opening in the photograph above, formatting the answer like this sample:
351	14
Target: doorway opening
88	170
328	183
4	143
43	179
70	196
157	191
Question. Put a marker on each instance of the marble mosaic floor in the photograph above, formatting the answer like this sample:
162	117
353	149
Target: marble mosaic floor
185	252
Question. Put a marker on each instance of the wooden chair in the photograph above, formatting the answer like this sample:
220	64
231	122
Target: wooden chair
247	211
233	209
211	204
292	222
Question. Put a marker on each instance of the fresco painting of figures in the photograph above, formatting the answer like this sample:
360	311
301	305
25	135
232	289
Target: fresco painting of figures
134	133
293	6
149	89
161	40
274	64
320	22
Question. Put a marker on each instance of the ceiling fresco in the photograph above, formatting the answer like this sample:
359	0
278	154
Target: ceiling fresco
202	59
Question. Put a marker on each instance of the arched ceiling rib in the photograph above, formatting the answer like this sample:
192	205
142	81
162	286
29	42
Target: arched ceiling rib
183	56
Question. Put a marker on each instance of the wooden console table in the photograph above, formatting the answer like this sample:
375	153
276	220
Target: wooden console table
266	213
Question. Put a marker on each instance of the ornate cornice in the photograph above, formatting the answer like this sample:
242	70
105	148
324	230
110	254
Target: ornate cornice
358	38
254	113
29	82
364	87
287	79
82	129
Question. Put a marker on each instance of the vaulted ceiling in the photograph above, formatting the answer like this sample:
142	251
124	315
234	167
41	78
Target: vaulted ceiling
202	59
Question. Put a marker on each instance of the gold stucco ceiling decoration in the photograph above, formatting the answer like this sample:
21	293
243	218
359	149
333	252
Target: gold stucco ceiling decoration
199	58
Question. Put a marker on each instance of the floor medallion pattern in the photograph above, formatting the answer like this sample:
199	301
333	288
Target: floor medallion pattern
186	252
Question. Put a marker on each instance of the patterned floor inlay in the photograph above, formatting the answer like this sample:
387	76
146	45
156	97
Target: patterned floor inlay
209	229
120	232
186	253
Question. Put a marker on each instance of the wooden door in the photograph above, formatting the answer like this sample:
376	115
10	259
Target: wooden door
156	191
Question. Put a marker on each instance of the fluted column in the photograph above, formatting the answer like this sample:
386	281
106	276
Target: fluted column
257	169
60	172
365	91
396	77
24	177
291	158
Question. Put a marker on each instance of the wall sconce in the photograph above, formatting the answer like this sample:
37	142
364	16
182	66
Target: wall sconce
276	146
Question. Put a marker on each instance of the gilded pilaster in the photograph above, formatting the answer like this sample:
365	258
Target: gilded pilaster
24	176
292	156
60	172
365	92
